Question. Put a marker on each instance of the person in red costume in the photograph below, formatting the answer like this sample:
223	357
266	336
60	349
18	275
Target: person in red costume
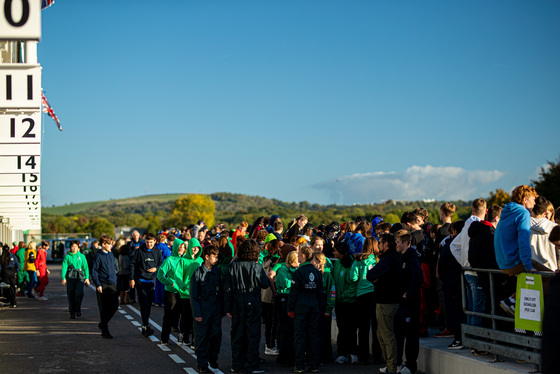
42	271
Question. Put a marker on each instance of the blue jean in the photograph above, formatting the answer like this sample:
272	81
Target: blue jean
476	299
32	283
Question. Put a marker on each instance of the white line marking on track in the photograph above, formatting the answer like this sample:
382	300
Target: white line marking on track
128	316
135	323
177	359
154	338
217	371
164	348
156	326
122	311
190	370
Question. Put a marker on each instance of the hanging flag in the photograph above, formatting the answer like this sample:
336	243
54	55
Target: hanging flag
46	3
49	110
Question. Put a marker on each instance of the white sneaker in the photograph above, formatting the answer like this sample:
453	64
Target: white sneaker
405	370
342	360
399	369
43	298
271	351
4	285
179	338
354	359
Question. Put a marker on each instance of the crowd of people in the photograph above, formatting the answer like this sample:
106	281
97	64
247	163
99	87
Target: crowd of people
392	280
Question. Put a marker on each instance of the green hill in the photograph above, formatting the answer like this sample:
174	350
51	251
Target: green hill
150	211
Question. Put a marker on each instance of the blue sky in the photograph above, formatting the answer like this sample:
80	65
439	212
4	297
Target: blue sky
324	101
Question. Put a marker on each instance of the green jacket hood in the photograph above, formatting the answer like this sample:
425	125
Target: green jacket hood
193	243
176	244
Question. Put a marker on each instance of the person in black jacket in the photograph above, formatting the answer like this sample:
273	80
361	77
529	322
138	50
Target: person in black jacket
407	318
386	275
449	272
243	283
305	303
206	293
143	267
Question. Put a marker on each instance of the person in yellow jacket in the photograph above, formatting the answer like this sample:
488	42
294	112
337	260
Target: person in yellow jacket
30	268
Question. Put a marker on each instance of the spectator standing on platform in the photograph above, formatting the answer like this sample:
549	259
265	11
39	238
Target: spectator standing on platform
42	270
10	268
143	267
30	267
104	277
386	276
207	307
407	319
244	281
512	239
75	273
542	250
476	299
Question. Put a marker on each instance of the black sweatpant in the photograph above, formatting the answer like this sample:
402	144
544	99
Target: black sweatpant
145	292
407	326
285	331
186	319
270	316
208	339
171	313
245	333
75	294
346	341
108	302
367	321
9	276
306	339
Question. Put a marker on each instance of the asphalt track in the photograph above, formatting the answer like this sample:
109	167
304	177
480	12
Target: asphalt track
39	337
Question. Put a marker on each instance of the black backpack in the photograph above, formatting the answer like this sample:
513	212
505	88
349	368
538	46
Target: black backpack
31	258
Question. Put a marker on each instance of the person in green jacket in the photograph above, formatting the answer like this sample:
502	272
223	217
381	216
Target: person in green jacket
345	305
366	318
192	260
283	276
23	277
325	321
75	273
170	274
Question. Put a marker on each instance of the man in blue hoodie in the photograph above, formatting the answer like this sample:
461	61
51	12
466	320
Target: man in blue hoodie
512	238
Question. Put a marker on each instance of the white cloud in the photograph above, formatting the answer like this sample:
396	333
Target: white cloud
415	183
537	173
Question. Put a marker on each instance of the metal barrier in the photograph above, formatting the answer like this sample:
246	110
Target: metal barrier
499	343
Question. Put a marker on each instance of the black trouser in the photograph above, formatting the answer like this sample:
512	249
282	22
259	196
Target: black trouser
407	325
325	324
270	316
108	302
186	319
208	338
285	331
453	306
347	329
171	313
9	276
245	332
367	321
75	294
306	336
145	297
